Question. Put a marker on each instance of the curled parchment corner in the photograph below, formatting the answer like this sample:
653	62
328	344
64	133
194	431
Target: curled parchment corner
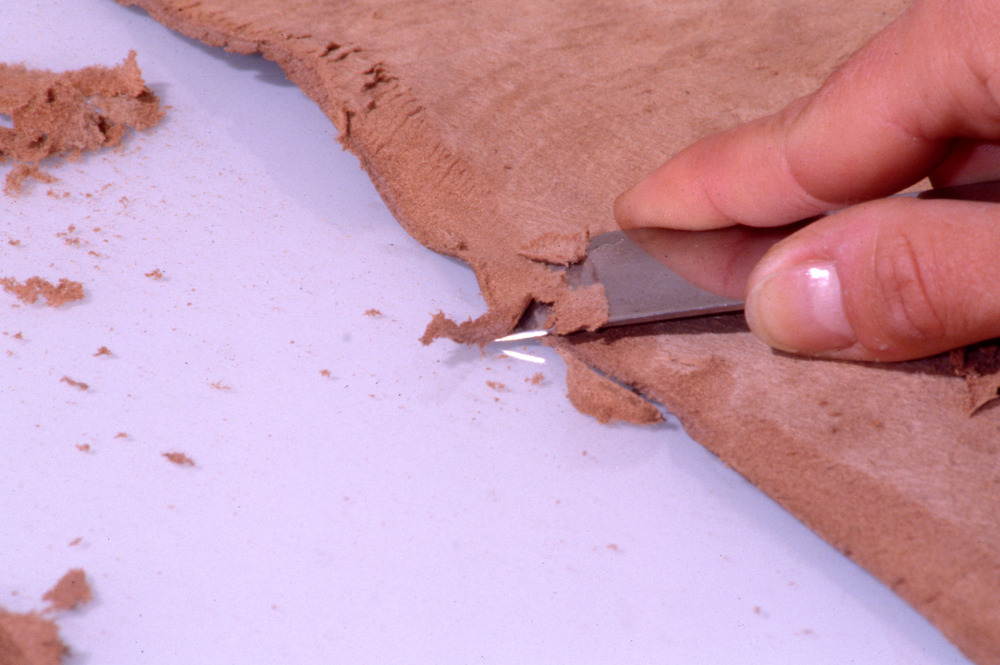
595	395
570	309
979	365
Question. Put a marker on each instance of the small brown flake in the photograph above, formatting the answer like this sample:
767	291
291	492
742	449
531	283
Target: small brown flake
76	384
373	312
219	385
156	273
13	243
496	385
103	351
179	459
83	447
536	378
121	435
70	592
325	372
76	541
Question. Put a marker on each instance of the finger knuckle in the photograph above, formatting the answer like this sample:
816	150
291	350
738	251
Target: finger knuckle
910	312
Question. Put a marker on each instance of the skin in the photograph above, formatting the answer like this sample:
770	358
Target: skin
885	279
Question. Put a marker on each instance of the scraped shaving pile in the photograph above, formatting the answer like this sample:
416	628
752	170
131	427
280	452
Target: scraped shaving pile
67	114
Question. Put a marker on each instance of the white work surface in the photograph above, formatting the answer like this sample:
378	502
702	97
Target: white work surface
398	510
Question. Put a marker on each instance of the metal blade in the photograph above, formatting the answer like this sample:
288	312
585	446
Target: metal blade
638	287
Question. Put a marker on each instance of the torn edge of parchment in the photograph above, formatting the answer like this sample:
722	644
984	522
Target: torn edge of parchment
979	365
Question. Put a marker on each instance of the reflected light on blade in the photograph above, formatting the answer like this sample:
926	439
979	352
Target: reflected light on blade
524	356
517	337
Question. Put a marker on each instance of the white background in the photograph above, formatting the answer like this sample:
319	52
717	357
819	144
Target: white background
399	510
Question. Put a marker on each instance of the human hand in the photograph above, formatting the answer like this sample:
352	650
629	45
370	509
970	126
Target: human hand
891	279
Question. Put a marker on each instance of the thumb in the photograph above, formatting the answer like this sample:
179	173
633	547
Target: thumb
890	280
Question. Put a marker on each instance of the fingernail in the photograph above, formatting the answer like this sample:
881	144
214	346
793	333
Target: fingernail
800	309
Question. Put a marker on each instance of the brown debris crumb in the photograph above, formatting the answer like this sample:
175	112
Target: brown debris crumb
29	639
67	235
76	541
21	173
76	384
13	243
69	113
219	385
496	385
481	330
325	372
103	351
121	435
83	447
156	273
70	592
179	459
536	379
373	312
55	295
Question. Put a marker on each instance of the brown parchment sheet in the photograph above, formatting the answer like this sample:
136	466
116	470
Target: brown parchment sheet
500	132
